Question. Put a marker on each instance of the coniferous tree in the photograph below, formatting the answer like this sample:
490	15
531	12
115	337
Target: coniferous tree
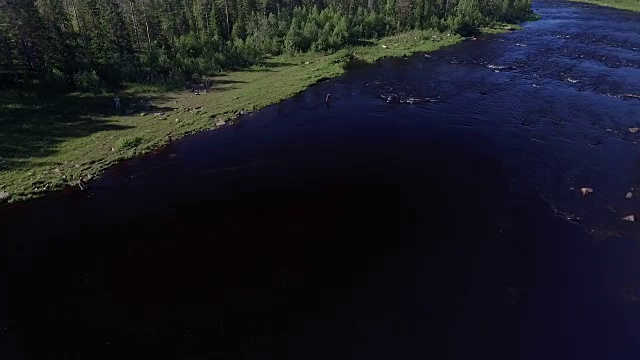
142	40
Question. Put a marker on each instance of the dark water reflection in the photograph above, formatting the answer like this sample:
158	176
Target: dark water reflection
424	213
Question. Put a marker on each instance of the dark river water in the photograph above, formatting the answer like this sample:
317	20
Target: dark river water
432	211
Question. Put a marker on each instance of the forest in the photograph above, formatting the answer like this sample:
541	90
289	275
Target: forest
88	45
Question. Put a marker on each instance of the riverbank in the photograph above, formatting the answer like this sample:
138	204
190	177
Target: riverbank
633	5
48	143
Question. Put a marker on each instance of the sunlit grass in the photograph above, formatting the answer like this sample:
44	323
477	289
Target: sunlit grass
48	142
633	5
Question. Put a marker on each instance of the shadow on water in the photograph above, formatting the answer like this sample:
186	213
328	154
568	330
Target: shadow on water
374	229
357	261
226	280
356	64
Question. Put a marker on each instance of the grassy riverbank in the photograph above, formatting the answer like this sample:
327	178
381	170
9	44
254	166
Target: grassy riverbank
48	142
633	5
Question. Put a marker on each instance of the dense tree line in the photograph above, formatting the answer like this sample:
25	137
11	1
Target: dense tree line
79	44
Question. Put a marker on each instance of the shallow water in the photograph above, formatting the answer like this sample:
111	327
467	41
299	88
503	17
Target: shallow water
434	209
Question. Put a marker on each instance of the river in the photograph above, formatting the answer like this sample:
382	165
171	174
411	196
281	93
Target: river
433	210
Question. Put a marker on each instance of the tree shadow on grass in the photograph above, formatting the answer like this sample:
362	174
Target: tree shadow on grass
214	83
265	66
33	126
363	43
275	64
257	68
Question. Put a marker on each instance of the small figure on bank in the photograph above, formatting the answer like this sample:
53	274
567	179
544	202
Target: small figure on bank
82	185
117	101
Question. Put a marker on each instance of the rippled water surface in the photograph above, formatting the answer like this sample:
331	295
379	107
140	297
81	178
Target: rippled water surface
432	211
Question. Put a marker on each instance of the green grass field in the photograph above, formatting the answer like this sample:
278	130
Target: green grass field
633	5
49	142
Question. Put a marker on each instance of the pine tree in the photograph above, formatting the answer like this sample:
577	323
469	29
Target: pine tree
24	27
59	47
119	39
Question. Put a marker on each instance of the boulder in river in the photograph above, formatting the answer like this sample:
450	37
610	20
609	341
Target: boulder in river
410	101
220	123
4	195
634	130
629	195
586	190
629	218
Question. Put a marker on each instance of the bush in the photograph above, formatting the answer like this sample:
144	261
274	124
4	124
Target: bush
340	34
468	19
128	143
295	40
57	79
87	81
239	31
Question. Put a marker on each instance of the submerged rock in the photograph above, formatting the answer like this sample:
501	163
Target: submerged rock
629	195
586	190
629	218
410	101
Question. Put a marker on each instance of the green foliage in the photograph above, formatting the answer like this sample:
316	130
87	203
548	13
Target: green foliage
87	133
57	79
239	31
468	18
92	42
295	39
87	81
128	143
